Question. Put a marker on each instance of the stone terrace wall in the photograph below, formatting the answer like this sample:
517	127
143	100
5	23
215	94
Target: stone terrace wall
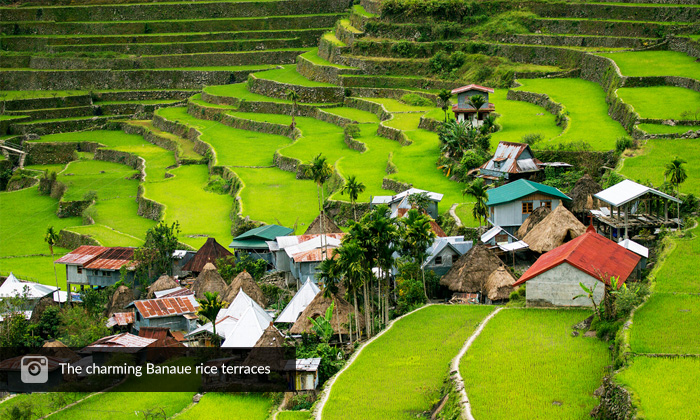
48	102
684	45
279	90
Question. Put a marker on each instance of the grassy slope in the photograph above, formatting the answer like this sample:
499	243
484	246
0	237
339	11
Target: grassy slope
656	63
651	332
588	112
214	406
526	360
288	74
649	164
519	119
645	101
404	367
666	389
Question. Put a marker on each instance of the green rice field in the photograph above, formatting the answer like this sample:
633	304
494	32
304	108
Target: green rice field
526	365
426	341
215	406
667	129
678	273
663	389
655	63
667	323
645	101
588	113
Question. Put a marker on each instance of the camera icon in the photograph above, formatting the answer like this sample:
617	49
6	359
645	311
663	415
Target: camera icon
34	370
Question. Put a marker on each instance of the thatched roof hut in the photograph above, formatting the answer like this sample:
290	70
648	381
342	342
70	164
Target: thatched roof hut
271	350
208	253
42	305
554	230
246	282
472	270
329	226
209	280
582	195
532	220
499	285
120	299
59	350
318	307
164	282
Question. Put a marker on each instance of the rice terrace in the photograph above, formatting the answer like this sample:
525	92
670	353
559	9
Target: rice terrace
349	209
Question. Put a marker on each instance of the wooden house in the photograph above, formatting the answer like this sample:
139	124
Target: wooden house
509	205
465	111
102	349
175	313
512	161
445	251
401	200
591	259
300	255
303	374
254	242
97	265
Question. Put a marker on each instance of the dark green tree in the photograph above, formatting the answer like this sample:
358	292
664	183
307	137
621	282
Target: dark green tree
209	307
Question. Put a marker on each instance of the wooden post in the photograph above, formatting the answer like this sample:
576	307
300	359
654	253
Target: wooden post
627	210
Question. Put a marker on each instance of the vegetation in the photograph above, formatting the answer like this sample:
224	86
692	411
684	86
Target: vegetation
655	63
427	340
651	332
524	354
237	406
679	101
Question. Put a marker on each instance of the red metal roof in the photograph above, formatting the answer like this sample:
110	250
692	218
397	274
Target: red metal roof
591	253
304	238
183	291
82	255
123	318
111	259
472	87
154	308
313	255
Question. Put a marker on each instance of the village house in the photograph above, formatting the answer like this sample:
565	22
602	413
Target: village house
31	293
254	242
102	349
175	313
444	252
465	111
303	374
401	200
300	255
512	161
302	298
97	265
591	259
509	205
207	253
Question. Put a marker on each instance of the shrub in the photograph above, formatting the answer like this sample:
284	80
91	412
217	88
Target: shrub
416	100
90	196
347	92
624	143
689	204
472	159
218	185
352	130
532	138
402	48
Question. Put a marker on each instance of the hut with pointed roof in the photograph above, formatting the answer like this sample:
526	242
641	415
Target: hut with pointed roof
554	230
583	196
303	297
472	271
329	225
209	280
532	220
244	281
208	253
269	350
164	282
59	350
121	298
341	315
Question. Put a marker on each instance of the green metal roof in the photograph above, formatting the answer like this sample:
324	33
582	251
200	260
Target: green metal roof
255	238
519	189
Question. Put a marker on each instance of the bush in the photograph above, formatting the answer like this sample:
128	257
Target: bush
624	143
532	138
402	48
472	159
416	100
218	185
90	196
689	204
352	130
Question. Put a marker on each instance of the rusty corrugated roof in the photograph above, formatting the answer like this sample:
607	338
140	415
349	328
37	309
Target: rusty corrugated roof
123	340
81	255
313	255
154	308
111	259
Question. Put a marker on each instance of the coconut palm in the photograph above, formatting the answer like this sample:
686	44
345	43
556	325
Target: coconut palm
209	307
445	96
320	171
328	274
294	97
416	236
351	263
384	234
477	189
675	172
353	188
51	238
477	101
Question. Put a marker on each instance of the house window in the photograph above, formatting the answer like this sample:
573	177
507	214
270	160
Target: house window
527	207
547	204
438	260
80	270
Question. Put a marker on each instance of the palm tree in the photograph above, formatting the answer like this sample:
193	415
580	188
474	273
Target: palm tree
352	265
416	237
328	274
477	101
445	96
209	307
354	188
383	233
320	171
477	189
51	238
294	97
676	173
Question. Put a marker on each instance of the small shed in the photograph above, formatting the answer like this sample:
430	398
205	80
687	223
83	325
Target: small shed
394	201
12	287
558	227
329	226
175	313
121	319
207	254
303	374
302	298
11	373
511	204
208	280
465	111
127	343
638	249
244	281
511	161
59	350
164	282
591	259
